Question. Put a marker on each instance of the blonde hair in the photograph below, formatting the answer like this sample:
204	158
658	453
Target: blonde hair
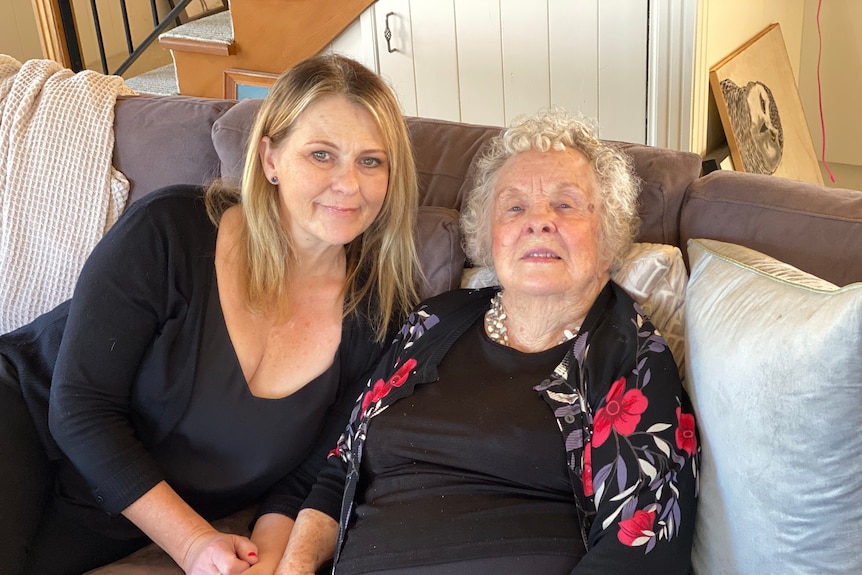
616	185
382	264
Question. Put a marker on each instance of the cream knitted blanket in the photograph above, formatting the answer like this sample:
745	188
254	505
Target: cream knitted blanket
58	191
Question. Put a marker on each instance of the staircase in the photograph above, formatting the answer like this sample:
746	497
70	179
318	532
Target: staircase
211	34
254	39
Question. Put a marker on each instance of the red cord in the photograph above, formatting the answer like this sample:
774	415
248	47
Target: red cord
820	94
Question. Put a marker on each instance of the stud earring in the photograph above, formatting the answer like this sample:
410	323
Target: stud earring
274	180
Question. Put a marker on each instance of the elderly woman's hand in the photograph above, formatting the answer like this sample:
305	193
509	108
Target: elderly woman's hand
311	544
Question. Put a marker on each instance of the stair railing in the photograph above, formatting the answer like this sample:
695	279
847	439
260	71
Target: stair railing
159	27
57	22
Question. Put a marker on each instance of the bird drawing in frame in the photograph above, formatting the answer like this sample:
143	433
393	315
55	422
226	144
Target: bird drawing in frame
756	125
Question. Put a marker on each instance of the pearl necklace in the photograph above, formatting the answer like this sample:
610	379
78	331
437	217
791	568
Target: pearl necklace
495	323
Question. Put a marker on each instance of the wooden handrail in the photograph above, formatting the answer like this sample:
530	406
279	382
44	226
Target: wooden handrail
51	32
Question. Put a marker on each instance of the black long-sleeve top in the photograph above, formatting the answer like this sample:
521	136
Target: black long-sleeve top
624	431
146	385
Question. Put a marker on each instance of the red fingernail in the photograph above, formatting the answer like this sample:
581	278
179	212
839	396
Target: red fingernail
252	554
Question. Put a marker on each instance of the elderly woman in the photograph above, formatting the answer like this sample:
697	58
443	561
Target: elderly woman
535	427
215	343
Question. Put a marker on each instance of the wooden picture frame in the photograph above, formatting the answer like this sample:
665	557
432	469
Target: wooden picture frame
242	84
761	111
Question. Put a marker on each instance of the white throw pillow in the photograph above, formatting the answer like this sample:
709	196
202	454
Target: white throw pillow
775	375
653	274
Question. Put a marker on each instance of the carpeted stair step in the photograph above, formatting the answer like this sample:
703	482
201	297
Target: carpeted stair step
209	35
161	81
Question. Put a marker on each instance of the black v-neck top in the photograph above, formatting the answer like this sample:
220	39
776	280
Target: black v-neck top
229	443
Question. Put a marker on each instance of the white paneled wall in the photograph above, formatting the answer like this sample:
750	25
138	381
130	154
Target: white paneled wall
622	65
527	79
480	67
489	61
574	44
435	58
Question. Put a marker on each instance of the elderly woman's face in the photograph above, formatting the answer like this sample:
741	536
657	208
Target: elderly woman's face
545	226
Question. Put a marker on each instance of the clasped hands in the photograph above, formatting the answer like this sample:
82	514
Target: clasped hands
219	553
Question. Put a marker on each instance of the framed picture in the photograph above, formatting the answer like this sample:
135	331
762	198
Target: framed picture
242	84
761	111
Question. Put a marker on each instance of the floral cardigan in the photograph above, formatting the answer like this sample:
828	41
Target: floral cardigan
631	444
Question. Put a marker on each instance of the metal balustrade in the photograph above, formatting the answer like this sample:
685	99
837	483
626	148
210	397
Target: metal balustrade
160	24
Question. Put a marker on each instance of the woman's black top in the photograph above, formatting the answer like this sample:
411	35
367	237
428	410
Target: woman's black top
478	456
135	380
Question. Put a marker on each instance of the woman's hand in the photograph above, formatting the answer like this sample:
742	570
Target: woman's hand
216	553
187	537
270	535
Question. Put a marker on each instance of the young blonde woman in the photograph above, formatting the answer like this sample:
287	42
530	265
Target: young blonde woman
215	343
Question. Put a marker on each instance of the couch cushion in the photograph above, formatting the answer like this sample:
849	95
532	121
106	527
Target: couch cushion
230	137
666	175
656	277
811	227
443	151
151	560
166	140
446	154
776	382
438	242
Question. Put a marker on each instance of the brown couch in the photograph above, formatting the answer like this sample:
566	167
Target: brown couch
163	140
169	140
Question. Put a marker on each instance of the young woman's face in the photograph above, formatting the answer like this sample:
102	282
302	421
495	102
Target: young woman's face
333	173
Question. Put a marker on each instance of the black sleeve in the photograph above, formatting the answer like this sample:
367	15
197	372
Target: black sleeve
129	290
642	459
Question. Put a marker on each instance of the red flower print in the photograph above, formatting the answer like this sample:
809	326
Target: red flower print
400	376
622	412
637	530
382	388
588	471
686	438
374	394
